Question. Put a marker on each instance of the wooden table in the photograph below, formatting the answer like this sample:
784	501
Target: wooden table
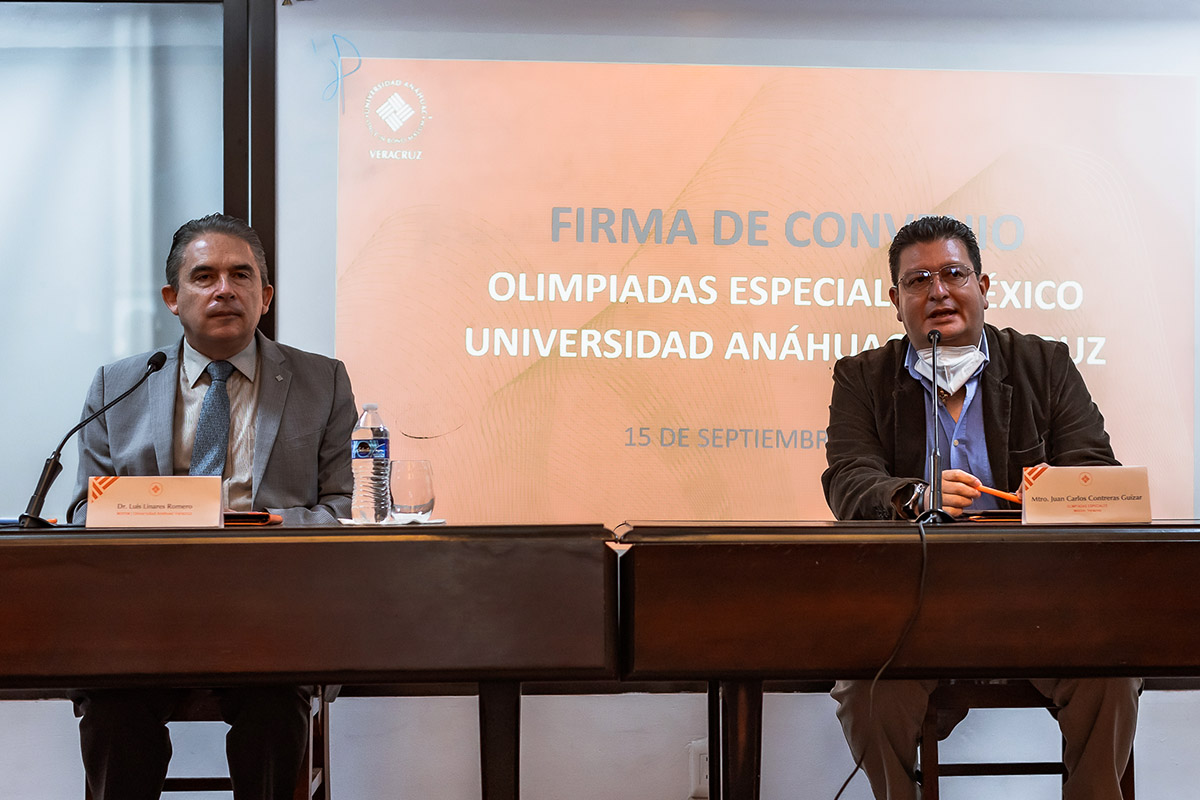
492	605
739	604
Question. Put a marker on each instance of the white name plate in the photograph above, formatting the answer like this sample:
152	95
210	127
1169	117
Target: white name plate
1085	494
180	501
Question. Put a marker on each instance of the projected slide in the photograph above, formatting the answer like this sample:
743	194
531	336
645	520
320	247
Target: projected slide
599	292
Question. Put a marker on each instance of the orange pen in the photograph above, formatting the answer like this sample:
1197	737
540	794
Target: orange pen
1012	498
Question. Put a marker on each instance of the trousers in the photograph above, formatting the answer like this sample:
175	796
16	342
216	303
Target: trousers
126	745
1097	716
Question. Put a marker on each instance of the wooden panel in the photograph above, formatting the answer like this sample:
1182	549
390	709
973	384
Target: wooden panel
829	602
306	606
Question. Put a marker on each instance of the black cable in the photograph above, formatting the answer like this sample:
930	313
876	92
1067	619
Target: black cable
912	619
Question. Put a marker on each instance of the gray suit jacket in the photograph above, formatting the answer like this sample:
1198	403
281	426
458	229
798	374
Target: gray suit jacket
306	413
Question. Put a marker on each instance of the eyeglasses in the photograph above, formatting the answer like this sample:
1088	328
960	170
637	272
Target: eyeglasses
952	276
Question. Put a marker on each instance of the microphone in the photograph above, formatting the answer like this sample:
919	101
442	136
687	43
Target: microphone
935	514
32	516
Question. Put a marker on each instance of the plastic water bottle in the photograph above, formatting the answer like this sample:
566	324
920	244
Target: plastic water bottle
372	498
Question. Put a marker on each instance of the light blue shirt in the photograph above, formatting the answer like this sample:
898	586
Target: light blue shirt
963	445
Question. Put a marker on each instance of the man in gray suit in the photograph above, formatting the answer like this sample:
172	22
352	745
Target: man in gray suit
289	418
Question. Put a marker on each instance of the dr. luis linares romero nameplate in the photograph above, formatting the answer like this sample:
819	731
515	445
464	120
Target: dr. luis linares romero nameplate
180	501
1085	495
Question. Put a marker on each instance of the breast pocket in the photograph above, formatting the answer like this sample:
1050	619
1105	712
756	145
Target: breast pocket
300	443
1029	457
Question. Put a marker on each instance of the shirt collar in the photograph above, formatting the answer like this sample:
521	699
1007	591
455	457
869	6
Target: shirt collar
195	362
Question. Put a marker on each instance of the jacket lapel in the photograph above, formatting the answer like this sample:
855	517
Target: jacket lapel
909	401
163	386
997	411
274	381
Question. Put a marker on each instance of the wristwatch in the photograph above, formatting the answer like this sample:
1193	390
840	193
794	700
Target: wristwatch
908	500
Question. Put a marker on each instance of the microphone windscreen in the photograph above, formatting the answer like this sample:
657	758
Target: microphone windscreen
934	336
156	361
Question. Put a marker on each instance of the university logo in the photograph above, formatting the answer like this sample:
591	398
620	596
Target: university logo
395	111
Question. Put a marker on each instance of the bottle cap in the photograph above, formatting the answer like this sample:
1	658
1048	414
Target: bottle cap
370	406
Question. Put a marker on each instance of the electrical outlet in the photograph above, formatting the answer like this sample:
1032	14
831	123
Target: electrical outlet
698	768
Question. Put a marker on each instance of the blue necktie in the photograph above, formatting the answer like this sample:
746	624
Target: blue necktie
212	429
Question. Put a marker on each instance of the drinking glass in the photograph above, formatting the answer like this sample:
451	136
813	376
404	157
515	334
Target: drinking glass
412	491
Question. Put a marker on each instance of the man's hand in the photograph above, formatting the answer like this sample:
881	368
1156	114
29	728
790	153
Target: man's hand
959	490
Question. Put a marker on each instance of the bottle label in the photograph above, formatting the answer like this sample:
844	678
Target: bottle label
369	448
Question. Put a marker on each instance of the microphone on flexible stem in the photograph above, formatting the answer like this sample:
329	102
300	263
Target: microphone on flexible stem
32	516
935	514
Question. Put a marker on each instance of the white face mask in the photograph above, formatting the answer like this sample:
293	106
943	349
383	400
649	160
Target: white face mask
956	365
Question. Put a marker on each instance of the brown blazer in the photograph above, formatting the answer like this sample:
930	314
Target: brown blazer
1036	408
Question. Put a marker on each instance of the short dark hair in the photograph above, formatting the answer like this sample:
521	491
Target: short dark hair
214	223
932	229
